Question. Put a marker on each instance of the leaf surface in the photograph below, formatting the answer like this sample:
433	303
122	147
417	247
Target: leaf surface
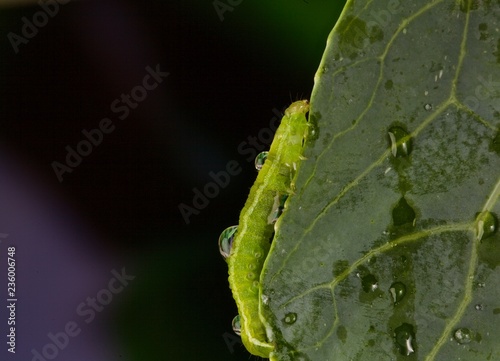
390	249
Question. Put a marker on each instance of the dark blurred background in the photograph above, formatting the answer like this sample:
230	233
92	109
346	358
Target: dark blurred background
132	200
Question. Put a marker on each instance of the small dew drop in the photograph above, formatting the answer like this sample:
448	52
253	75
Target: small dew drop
226	239
462	336
479	307
428	107
403	213
486	226
398	291
369	283
290	318
260	159
400	142
405	337
236	323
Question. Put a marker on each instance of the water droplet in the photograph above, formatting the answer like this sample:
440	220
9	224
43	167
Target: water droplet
260	159
342	333
487	225
400	142
226	239
236	325
428	106
369	283
290	318
398	291
462	336
479	307
405	336
403	213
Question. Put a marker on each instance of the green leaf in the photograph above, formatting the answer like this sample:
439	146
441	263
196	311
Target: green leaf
389	249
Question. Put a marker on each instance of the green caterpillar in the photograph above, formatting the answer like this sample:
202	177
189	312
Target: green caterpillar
246	246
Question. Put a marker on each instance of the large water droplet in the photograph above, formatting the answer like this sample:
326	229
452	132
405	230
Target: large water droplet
260	159
403	213
405	337
236	325
463	335
486	225
398	291
290	318
226	239
369	283
342	333
400	142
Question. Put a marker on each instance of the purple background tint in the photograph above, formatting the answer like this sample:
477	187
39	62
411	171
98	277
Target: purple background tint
55	270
